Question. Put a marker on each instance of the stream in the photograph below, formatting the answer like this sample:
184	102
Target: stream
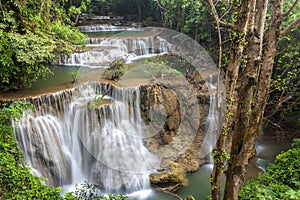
198	184
116	159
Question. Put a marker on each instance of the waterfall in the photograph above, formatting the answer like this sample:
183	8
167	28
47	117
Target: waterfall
103	27
70	137
213	120
94	58
100	51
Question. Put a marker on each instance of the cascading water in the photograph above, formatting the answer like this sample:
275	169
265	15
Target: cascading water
103	27
128	45
69	137
106	50
213	119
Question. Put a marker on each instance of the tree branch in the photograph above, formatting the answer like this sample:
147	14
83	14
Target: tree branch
160	6
291	8
226	24
226	12
274	124
168	192
290	27
217	18
278	106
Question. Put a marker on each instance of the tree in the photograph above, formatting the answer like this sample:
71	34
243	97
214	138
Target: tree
75	8
32	35
192	18
248	80
283	105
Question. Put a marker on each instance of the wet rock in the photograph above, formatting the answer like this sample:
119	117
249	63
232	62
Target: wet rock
183	109
174	175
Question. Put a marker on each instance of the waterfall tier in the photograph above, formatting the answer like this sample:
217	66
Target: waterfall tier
70	137
121	43
102	51
103	27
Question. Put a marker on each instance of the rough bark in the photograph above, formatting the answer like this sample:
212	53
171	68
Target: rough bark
236	55
268	60
248	84
249	79
216	174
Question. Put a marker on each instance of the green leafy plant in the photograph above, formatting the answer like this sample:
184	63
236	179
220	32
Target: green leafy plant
88	191
74	76
116	70
281	180
16	181
32	36
157	69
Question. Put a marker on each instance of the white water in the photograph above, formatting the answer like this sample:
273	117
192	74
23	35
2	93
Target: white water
213	120
95	58
103	27
103	50
68	138
106	50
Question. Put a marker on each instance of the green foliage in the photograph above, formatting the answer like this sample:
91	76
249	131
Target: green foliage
220	157
265	189
98	98
74	76
77	7
157	69
8	143
148	21
286	168
116	70
24	59
285	90
87	191
190	197
281	180
32	35
128	8
16	181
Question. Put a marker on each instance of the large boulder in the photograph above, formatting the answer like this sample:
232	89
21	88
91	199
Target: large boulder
176	114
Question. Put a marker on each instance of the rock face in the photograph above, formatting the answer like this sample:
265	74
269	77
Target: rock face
176	114
175	177
174	117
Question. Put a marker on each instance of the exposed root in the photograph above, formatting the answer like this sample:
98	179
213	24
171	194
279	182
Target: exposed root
168	189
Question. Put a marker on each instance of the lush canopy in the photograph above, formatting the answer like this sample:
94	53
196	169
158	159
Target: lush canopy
32	35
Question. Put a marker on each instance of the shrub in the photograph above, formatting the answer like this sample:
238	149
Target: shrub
16	181
87	191
281	180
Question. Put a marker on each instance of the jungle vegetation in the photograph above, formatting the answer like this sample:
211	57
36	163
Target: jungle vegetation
255	43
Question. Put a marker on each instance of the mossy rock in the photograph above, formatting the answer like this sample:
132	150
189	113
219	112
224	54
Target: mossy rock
174	176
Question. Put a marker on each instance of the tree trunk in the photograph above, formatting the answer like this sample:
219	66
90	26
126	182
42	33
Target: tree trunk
273	38
248	80
250	111
139	10
182	21
236	54
196	37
